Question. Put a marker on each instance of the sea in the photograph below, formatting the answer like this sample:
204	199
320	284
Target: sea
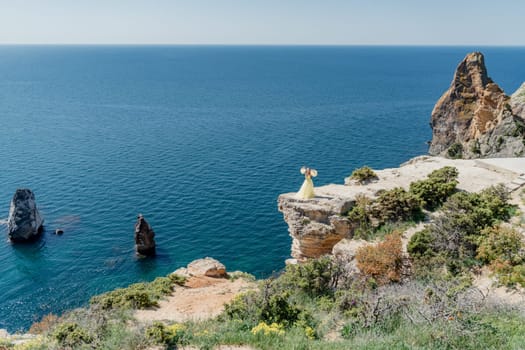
199	139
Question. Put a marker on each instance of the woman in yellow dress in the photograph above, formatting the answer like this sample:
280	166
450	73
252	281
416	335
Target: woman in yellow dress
307	189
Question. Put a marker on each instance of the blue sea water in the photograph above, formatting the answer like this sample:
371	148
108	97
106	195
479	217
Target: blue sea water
201	140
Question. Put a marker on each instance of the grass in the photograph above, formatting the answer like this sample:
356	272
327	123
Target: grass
497	330
138	295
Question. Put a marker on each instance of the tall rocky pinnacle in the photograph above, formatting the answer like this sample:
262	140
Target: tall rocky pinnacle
24	222
475	119
144	237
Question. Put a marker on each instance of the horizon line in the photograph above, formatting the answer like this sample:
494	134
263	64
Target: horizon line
265	45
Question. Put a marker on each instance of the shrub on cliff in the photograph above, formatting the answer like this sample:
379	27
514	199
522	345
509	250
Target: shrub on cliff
465	215
360	215
71	335
396	205
170	336
383	261
501	243
438	186
455	151
316	277
503	249
456	233
270	304
138	295
363	175
420	244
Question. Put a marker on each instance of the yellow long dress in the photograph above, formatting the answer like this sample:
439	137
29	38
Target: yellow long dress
307	189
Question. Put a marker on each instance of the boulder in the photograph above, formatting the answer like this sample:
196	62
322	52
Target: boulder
474	118
144	237
206	267
25	222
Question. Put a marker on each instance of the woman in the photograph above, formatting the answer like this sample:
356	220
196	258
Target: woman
307	189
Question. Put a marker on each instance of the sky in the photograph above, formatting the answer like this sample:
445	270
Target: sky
263	22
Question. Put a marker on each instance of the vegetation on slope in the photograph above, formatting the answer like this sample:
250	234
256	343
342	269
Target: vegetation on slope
425	300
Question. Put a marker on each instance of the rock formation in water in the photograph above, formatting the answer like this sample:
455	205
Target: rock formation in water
25	222
144	237
474	118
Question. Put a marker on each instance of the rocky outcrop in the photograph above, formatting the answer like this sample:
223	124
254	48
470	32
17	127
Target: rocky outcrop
208	267
25	222
144	237
315	225
474	118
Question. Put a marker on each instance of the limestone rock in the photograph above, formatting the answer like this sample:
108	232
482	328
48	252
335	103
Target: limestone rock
517	102
144	237
182	271
347	248
474	117
345	252
315	225
25	222
206	267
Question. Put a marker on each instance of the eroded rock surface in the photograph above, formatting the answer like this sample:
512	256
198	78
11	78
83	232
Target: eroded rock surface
25	222
144	237
474	118
315	225
208	267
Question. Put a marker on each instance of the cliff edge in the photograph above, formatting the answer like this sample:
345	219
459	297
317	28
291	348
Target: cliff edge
475	119
316	225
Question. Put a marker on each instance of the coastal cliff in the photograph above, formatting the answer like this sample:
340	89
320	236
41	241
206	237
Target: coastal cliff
474	118
318	224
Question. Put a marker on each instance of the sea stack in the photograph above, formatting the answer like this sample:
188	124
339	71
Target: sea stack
474	118
144	237
25	222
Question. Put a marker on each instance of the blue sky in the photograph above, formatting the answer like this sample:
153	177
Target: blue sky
321	22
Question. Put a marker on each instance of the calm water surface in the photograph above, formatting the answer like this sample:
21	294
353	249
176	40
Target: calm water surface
201	140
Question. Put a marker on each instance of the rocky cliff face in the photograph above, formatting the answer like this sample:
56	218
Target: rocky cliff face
315	225
474	118
24	222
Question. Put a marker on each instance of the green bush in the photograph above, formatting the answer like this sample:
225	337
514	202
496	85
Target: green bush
360	215
503	243
455	151
71	334
456	233
438	186
277	304
138	295
396	205
363	175
316	277
503	248
171	335
420	244
509	275
244	307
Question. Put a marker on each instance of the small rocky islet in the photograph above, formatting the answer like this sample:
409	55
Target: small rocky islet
477	130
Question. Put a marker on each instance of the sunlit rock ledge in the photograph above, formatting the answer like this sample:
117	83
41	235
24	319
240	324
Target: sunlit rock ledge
317	224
